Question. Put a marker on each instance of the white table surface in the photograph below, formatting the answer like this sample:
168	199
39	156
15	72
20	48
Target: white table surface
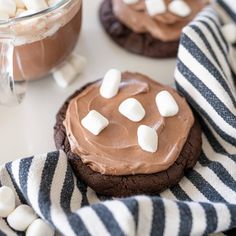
27	129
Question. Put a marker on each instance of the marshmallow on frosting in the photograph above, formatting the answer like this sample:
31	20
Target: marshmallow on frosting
94	122
132	109
179	8
110	84
155	7
147	138
166	104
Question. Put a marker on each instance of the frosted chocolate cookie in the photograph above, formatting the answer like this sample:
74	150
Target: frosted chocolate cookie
127	134
148	27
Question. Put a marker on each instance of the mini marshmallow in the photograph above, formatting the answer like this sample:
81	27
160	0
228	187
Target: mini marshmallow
155	7
35	5
94	122
110	84
229	31
21	217
129	2
40	228
64	74
78	62
166	104
179	8
8	7
4	16
147	138
19	3
7	201
132	109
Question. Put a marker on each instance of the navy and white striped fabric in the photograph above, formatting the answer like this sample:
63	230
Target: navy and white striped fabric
203	202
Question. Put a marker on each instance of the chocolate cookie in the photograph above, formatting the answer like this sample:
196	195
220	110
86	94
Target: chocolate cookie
120	186
138	43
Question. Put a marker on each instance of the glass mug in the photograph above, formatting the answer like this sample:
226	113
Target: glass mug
31	46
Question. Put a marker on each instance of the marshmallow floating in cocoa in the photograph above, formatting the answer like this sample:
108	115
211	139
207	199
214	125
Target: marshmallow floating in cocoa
94	122
110	84
7	201
8	7
166	104
21	217
132	109
229	32
39	228
130	1
155	7
179	8
35	5
147	138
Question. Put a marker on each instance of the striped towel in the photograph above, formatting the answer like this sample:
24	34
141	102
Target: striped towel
203	202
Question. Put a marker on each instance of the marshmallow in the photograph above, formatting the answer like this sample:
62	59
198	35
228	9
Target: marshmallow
19	3
155	7
166	104
8	7
78	62
21	218
147	138
39	228
4	16
179	8
94	122
7	201
35	5
229	31
64	74
110	84
130	1
132	109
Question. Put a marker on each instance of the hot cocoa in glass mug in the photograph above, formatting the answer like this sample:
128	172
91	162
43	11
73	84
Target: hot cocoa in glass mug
31	46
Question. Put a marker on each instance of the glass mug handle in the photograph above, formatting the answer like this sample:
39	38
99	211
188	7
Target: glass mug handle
11	91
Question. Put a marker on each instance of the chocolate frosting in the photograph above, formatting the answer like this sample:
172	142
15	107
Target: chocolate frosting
166	26
115	151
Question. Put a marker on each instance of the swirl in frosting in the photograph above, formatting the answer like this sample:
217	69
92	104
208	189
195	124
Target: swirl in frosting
165	27
115	151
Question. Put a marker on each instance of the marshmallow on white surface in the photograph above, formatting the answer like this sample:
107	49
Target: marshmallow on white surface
132	109
147	138
155	7
166	104
130	1
229	31
64	74
7	201
40	228
8	7
35	5
19	3
21	217
78	62
110	84
179	8
94	122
